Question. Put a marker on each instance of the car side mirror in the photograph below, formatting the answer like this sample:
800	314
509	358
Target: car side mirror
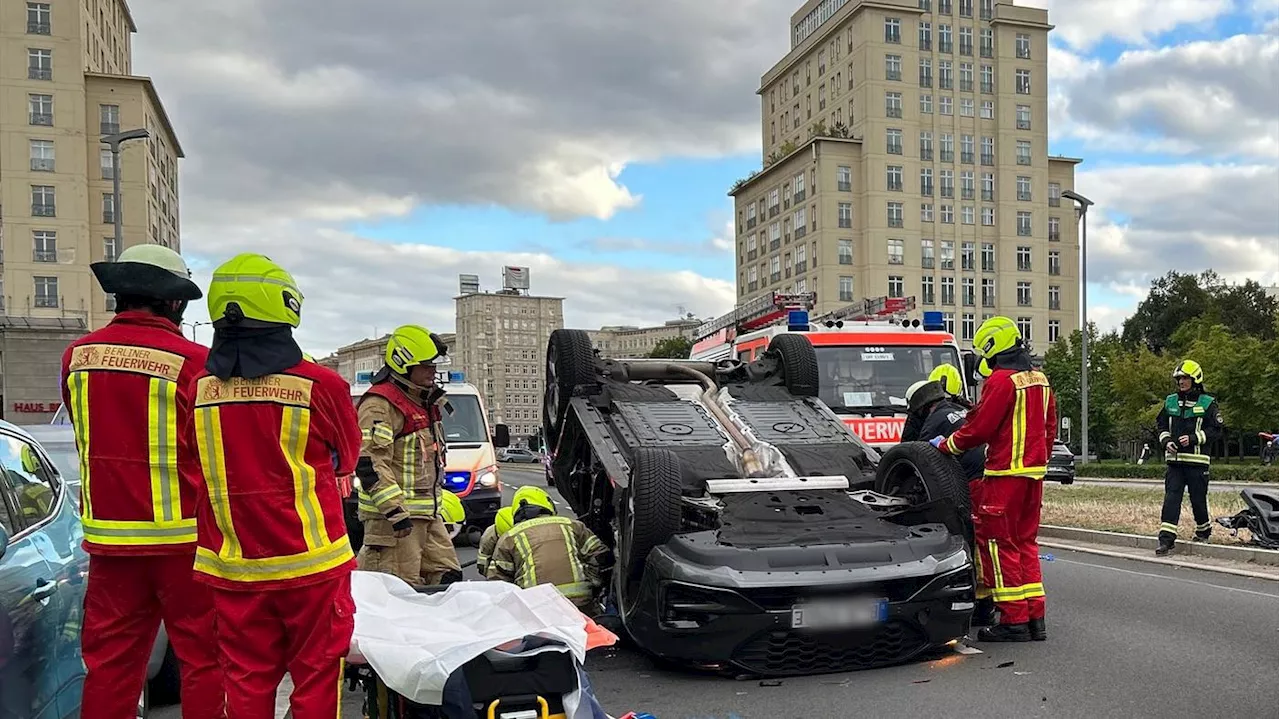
501	435
4	541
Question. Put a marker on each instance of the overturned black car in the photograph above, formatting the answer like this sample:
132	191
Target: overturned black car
753	532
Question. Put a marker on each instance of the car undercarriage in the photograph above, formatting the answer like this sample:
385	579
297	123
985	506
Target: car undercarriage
752	531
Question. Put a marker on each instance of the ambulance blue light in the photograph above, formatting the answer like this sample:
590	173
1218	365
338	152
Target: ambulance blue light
798	321
455	376
933	321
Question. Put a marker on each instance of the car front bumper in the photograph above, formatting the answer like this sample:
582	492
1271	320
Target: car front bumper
1064	473
721	618
482	505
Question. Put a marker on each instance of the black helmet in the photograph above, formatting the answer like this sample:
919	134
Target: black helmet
924	393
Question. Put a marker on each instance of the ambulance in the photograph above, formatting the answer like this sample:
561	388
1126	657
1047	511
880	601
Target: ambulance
869	353
471	462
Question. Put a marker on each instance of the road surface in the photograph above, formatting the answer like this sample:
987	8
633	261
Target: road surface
1127	639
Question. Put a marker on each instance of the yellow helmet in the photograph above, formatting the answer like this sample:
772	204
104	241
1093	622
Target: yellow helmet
1189	368
451	509
533	495
251	286
949	377
413	345
504	521
996	335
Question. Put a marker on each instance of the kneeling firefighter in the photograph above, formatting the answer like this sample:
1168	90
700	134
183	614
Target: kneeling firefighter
948	378
544	548
401	463
502	524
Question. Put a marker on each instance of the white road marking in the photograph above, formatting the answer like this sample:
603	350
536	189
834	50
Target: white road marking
1172	579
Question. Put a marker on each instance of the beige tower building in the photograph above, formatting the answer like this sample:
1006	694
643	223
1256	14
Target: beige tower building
65	80
906	154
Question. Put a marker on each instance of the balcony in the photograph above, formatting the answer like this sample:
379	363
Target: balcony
44	255
989	159
893	149
844	186
108	128
926	81
43	210
894	185
106	170
988	195
1024	265
1024	124
892	111
46	301
966	48
1055	235
988	301
926	43
799	197
966	86
926	153
966	194
944	46
775	278
108	217
947	156
926	189
988	264
987	87
1024	231
944	83
802	267
926	263
42	164
1055	201
1055	269
845	222
846	259
846	296
890	74
1024	159
41	118
753	286
944	7
1024	52
801	231
895	222
39	28
773	212
1055	304
775	244
966	158
1024	196
752	254
947	191
1024	301
987	51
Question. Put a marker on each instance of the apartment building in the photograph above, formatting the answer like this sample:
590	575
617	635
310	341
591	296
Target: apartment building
369	355
630	342
906	154
65	80
501	345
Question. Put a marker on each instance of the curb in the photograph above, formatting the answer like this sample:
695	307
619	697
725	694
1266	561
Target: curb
1234	485
1070	547
1244	555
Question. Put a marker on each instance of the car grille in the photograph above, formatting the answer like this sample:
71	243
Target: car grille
782	599
790	652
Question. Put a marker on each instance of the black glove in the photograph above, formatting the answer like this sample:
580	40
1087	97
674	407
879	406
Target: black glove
404	525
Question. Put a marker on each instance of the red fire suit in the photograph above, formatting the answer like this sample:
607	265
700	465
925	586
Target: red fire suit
1016	417
126	390
272	538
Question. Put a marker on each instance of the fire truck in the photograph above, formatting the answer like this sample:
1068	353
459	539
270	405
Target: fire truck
869	353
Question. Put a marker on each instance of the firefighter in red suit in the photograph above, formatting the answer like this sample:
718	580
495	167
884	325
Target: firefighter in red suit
1016	418
274	431
126	388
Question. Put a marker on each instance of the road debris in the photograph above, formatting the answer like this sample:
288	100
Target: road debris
1002	665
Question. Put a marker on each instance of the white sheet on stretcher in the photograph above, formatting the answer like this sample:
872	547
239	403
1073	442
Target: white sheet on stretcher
415	641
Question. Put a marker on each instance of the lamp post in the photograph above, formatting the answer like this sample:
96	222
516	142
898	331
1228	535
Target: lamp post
114	142
193	326
1082	209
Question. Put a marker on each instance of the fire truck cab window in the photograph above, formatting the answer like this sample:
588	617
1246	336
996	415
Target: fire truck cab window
875	379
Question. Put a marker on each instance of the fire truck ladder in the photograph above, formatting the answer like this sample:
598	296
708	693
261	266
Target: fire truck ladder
869	310
759	312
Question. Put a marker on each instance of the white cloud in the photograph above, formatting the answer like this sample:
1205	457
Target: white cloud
1084	23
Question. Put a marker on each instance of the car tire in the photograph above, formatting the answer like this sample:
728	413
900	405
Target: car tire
934	474
655	504
799	363
570	363
166	688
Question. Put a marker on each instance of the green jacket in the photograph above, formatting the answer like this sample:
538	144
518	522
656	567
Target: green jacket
1194	416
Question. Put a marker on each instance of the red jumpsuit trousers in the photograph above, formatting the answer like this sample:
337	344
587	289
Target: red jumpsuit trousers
1006	513
126	599
304	630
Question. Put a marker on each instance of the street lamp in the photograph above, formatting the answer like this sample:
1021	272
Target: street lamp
114	142
193	326
1082	209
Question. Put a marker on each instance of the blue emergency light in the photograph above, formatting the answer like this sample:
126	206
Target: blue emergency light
455	376
797	320
933	320
454	481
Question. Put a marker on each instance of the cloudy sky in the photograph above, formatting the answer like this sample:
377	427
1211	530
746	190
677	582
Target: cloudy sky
377	153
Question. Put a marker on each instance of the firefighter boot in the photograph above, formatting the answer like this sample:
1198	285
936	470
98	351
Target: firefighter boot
1038	632
985	614
1005	633
1166	546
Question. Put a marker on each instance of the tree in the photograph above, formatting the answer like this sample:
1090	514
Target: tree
1240	371
1062	366
1140	380
672	348
1173	300
1244	309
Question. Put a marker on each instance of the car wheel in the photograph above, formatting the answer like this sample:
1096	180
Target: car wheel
570	362
799	363
655	504
918	472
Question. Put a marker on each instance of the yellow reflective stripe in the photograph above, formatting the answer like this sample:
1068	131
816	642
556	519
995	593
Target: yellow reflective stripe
78	386
213	463
1168	527
1028	472
575	590
322	559
382	431
162	450
342	676
425	504
528	573
97	531
504	565
1202	527
993	550
1188	458
385	494
1018	450
951	445
295	428
575	564
409	465
1013	594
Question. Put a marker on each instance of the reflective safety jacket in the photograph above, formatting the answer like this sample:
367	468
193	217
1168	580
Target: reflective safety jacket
272	450
1016	417
126	388
1195	416
551	550
488	541
398	436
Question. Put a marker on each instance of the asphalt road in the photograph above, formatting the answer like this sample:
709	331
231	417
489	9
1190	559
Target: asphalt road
1127	639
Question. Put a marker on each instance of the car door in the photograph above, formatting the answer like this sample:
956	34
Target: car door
28	610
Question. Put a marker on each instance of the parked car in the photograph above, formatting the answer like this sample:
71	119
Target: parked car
519	455
58	443
1062	464
42	583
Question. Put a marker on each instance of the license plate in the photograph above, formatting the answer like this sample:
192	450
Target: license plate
844	613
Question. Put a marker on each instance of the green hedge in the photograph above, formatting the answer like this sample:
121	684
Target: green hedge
1155	470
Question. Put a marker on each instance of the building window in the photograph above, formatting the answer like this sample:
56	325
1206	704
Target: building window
967	256
753	280
986	42
947	147
988	292
43	201
895	252
926	72
988	257
967	190
844	252
1055	297
987	78
967	216
44	246
1024	117
948	290
1024	327
948	214
1022	82
926	290
926	212
967	326
926	254
895	286
949	322
966	149
1055	330
799	185
40	110
802	264
926	146
1024	294
947	183
944	38
1024	258
1024	224
775	269
800	222
944	75
926	104
846	288
895	214
110	250
39	18
107	162
926	36
39	65
893	141
1055	262
893	30
844	179
966	110
893	178
966	38
926	182
1024	152
108	208
1055	229
948	260
42	156
893	104
893	67
1055	194
1024	189
966	77
989	216
1022	43
108	119
845	214
46	291
966	291
989	151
